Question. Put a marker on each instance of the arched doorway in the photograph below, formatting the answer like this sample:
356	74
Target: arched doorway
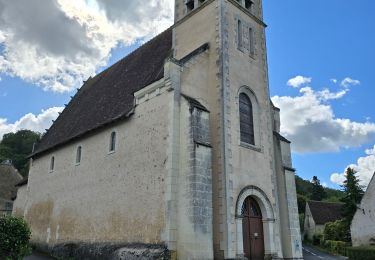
252	230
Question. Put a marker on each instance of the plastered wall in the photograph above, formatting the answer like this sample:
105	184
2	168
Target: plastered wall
109	196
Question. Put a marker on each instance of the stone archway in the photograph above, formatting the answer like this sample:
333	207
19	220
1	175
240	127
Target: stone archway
268	219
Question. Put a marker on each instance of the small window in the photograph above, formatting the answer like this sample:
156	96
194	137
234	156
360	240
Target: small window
112	145
52	164
246	120
190	5
239	30
79	155
251	41
248	4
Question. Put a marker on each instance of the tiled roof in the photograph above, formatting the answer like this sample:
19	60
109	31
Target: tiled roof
108	97
323	212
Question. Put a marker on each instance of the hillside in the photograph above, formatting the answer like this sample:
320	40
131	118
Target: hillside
304	192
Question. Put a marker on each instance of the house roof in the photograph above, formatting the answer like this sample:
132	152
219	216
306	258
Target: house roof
323	212
9	177
108	96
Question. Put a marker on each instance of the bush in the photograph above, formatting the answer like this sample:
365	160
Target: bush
361	253
337	231
336	247
14	238
316	239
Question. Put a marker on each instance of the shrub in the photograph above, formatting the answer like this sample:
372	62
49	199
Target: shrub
14	238
336	247
316	239
361	253
337	231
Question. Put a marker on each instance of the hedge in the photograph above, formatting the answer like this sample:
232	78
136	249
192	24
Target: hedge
361	253
336	247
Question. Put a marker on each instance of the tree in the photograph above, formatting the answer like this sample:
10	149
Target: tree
16	147
317	192
353	194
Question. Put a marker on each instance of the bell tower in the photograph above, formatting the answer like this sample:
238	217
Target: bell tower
219	53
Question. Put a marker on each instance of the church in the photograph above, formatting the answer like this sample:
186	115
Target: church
174	149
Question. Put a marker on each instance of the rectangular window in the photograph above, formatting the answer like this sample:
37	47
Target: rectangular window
189	5
239	32
248	4
251	41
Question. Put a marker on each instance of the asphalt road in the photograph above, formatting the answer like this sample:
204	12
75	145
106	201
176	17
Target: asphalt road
38	256
310	253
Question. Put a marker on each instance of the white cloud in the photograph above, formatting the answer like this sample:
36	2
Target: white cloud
309	122
334	81
365	168
30	121
298	81
370	151
62	42
348	82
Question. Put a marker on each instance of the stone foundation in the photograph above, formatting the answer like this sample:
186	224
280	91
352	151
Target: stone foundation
112	251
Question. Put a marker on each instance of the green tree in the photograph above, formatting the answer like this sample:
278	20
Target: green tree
17	146
317	192
353	194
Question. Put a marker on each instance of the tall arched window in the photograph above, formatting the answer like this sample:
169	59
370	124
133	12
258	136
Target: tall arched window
52	164
246	120
79	155
112	144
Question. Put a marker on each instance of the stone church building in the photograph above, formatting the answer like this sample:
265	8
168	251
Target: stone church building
176	146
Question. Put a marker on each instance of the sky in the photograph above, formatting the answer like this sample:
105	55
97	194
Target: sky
320	55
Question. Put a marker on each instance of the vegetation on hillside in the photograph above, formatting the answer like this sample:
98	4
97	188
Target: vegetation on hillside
313	190
16	147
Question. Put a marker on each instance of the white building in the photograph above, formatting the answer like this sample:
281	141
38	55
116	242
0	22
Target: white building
174	150
363	223
319	213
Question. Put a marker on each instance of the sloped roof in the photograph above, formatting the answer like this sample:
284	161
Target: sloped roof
323	212
9	177
109	96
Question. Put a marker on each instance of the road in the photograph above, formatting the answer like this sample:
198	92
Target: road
310	253
38	256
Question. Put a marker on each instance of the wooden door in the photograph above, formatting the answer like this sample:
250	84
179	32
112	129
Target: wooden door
252	230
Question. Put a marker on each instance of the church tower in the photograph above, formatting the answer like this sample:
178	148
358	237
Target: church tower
236	197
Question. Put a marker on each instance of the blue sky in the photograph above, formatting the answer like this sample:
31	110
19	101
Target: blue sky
321	41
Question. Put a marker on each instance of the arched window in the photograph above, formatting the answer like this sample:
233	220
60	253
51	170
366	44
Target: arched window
112	144
52	164
246	120
79	155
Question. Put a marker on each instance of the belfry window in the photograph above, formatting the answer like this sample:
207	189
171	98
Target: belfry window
79	155
248	4
189	5
112	143
246	120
